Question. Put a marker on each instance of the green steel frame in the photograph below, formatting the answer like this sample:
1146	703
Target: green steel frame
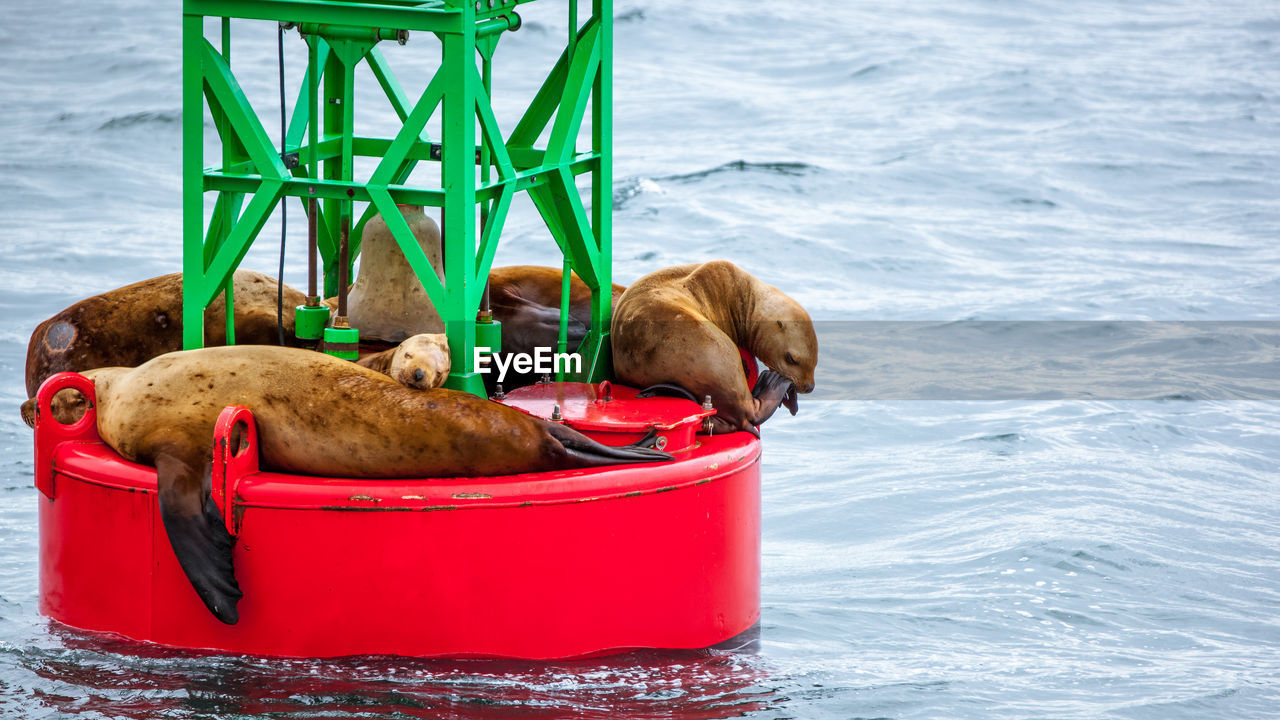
477	167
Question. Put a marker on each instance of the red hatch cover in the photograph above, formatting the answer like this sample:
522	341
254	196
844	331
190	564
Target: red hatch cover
612	414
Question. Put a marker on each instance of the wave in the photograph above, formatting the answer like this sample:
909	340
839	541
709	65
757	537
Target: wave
146	117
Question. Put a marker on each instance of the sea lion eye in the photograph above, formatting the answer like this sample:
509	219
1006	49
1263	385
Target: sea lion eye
791	359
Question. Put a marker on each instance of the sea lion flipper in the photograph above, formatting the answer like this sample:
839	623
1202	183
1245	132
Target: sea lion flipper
772	390
667	390
197	533
791	400
590	453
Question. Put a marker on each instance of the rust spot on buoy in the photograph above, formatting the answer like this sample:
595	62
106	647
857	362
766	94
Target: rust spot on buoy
368	498
471	496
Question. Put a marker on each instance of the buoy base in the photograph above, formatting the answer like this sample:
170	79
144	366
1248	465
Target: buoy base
535	566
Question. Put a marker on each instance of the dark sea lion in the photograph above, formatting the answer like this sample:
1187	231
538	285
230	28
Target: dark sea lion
526	300
316	415
420	362
683	326
130	325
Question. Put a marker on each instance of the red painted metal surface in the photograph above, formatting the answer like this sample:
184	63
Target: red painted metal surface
613	414
537	566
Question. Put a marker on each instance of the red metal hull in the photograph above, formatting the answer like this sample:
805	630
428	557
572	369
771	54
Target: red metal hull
535	566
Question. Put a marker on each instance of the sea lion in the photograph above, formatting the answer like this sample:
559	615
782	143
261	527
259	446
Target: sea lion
526	300
130	325
420	362
683	326
316	415
387	301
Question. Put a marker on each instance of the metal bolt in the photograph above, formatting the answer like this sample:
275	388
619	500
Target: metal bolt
555	414
479	5
545	380
706	403
498	394
661	442
402	36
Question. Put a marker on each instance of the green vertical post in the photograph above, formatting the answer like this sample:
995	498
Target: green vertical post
192	182
458	178
599	353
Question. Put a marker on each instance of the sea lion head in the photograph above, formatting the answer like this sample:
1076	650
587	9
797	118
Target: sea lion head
784	338
422	361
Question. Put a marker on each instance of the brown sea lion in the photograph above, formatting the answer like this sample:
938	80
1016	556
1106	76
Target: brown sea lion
130	325
683	326
420	362
526	300
316	415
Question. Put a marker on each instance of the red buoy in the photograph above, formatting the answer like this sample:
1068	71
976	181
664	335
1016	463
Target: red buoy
534	566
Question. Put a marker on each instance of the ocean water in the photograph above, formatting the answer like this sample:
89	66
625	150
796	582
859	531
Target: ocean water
1040	476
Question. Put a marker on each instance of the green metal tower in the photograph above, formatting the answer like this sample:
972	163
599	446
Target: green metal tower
480	166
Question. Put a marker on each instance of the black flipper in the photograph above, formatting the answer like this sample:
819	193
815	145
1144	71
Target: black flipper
791	400
667	390
199	538
771	391
649	440
591	453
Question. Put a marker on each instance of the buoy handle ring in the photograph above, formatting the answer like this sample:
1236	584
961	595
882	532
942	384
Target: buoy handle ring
50	433
235	455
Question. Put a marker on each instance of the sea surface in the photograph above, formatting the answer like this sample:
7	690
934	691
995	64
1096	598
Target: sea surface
1040	476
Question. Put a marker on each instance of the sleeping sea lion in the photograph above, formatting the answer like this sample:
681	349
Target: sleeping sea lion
683	326
526	300
420	362
316	415
130	325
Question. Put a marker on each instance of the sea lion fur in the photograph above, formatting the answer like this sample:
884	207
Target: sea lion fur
682	326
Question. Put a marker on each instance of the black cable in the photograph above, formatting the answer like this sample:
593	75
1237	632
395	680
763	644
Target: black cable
283	202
